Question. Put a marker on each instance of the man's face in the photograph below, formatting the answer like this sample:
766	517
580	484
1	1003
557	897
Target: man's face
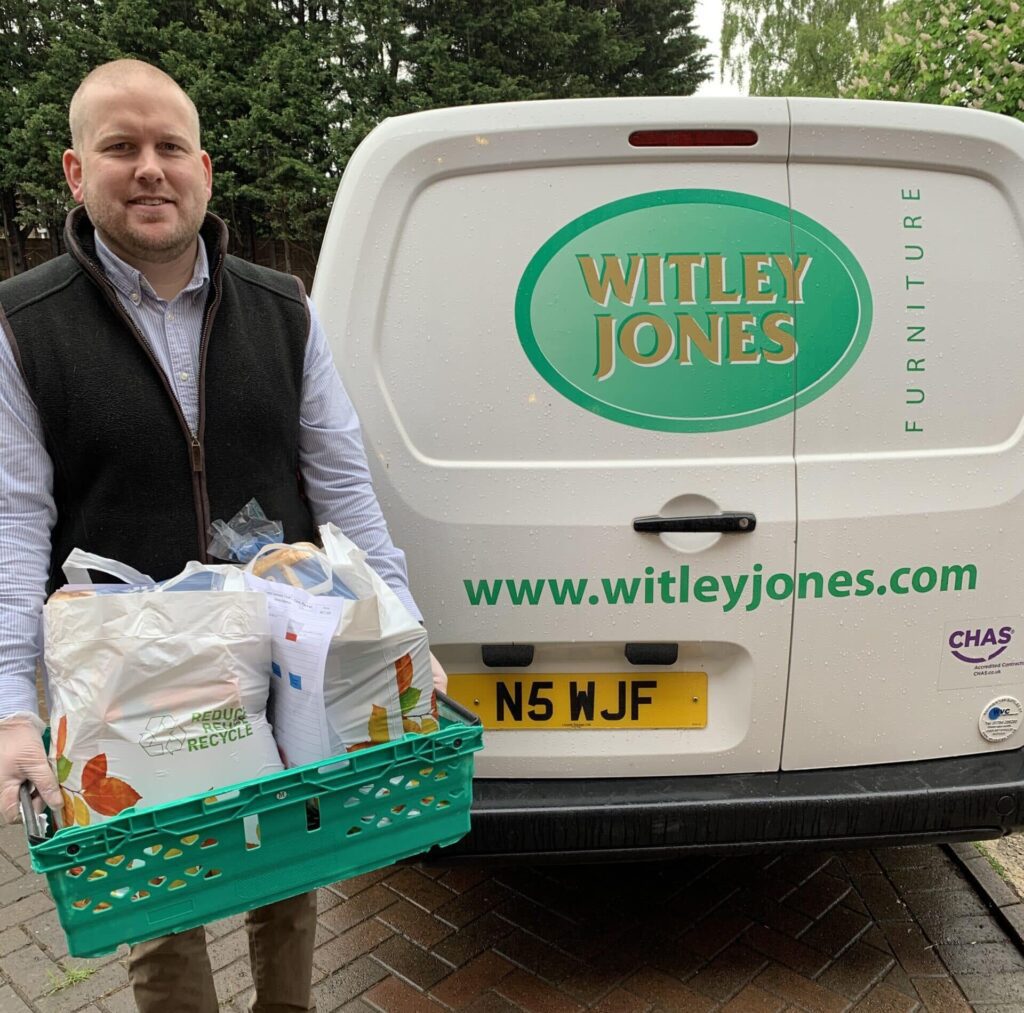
139	170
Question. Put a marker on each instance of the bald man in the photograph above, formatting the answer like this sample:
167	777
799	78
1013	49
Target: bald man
150	383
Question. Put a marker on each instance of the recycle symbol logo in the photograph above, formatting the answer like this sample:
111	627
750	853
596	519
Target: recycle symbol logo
162	736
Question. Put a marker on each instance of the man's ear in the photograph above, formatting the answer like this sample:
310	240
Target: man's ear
208	169
73	173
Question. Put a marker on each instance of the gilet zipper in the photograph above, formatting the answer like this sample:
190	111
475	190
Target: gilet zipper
200	495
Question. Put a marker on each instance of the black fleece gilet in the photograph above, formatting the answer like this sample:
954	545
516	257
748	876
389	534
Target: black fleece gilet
130	480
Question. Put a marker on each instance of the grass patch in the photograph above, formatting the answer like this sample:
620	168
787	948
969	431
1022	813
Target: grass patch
992	860
72	976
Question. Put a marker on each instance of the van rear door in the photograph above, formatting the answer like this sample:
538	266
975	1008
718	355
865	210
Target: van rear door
908	635
555	319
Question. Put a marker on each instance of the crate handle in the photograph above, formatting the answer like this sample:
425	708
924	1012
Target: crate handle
330	768
33	825
227	796
466	717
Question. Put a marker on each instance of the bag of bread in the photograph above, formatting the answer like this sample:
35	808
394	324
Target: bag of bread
153	696
372	676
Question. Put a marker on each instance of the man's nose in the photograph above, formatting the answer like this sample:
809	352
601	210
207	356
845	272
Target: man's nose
148	166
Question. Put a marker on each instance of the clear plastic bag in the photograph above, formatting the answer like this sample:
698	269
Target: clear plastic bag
301	565
240	539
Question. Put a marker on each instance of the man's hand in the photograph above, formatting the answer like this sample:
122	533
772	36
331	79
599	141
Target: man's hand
440	676
22	758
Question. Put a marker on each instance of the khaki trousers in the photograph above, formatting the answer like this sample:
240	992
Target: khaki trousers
173	974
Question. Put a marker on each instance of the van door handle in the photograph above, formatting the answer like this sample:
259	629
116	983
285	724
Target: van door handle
730	524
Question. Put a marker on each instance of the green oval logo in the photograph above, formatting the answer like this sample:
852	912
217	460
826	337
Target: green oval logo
693	310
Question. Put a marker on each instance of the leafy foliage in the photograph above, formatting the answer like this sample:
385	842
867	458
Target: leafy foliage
957	52
797	47
287	88
508	50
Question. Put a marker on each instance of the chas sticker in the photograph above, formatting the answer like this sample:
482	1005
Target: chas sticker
981	652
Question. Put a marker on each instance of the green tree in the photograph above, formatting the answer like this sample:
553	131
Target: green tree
286	88
221	56
462	51
957	52
259	75
21	29
797	47
266	78
289	177
69	40
46	49
663	54
367	45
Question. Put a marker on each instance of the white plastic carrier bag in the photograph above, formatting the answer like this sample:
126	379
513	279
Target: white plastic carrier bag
351	666
154	696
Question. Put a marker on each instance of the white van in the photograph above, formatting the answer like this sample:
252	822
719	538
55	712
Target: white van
700	421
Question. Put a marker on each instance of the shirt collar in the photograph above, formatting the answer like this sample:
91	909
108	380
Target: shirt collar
130	280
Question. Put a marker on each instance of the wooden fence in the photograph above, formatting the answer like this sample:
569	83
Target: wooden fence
269	253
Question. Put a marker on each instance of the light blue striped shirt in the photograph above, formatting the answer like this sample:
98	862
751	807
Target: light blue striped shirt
332	460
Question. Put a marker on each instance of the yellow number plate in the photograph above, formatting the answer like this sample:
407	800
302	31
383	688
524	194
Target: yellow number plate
605	700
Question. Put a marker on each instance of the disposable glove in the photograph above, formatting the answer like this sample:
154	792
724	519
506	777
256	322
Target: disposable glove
22	758
439	674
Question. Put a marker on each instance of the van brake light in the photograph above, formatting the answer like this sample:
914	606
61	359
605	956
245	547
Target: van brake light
692	138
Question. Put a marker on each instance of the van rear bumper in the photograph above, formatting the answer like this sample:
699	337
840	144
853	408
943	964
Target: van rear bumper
603	819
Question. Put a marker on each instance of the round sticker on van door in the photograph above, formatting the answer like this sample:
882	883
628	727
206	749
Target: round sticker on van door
693	310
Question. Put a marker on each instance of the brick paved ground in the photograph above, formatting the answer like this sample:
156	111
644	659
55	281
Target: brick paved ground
890	930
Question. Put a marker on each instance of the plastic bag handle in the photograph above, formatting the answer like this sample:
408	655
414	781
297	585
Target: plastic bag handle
338	545
324	587
79	562
232	575
349	561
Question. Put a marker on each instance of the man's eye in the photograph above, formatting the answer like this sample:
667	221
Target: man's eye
119	146
171	146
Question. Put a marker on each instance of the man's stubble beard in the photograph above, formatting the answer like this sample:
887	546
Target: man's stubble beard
112	222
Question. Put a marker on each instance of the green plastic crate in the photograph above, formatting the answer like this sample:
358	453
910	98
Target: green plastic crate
175	866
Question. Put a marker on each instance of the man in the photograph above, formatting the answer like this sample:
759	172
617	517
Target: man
149	384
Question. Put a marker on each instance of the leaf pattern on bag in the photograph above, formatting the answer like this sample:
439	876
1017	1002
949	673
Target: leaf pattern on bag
67	812
378	724
109	795
62	734
94	771
403	671
421	725
81	812
409	699
102	794
64	766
